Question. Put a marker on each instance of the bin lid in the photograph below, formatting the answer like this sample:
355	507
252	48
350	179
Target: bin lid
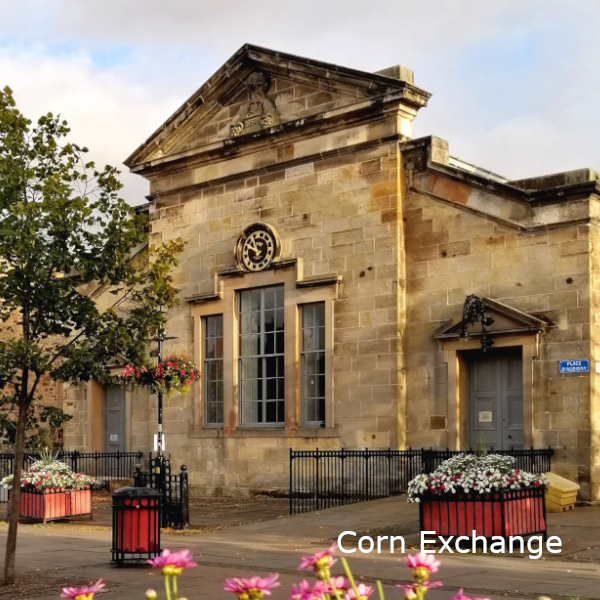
136	492
561	484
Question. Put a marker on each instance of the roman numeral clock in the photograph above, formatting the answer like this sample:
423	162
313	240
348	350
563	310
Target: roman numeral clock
258	247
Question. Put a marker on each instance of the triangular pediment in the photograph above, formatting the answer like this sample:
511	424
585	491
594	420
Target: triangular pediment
506	320
258	90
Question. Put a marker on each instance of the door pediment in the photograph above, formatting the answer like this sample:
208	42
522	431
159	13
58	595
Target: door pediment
506	320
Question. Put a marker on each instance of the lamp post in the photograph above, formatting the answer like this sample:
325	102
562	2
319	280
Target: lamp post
159	436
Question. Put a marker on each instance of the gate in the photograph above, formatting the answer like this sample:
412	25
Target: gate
174	489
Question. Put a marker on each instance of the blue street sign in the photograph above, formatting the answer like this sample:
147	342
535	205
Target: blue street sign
574	366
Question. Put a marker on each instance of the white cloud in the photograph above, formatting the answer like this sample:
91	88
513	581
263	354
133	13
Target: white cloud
106	111
515	84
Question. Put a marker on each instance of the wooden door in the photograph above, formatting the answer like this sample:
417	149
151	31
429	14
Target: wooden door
495	400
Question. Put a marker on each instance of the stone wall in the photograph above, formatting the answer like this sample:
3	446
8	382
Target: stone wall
339	215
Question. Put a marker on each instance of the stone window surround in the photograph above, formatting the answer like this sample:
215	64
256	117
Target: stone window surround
457	382
297	291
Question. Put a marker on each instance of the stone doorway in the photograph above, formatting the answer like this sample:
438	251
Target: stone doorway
495	399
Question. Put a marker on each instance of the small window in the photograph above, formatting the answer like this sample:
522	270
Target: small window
213	371
313	364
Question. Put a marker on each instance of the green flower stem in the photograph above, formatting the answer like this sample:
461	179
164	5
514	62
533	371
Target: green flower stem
350	578
380	590
175	586
167	588
421	590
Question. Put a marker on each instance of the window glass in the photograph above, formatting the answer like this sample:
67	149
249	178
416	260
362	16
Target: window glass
213	370
261	367
312	364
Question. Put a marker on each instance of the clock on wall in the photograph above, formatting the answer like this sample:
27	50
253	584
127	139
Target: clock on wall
258	247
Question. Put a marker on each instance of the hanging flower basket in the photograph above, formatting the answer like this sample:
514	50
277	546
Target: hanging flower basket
172	376
485	494
50	490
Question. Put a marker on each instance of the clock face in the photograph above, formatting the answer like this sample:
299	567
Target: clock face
258	250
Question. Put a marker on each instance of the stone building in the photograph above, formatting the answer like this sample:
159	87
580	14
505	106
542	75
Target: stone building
341	282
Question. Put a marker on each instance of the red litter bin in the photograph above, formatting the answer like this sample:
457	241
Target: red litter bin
136	525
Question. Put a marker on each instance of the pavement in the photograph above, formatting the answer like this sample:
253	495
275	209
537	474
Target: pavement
60	555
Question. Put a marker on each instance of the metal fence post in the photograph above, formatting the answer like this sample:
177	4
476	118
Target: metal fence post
367	497
291	480
317	478
185	497
137	476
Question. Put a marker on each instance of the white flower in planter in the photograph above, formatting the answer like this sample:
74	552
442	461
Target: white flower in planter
468	473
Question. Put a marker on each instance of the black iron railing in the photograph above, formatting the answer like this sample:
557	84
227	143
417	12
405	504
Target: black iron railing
102	466
174	489
322	479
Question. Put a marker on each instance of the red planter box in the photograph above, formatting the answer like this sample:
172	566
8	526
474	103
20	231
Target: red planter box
505	513
50	505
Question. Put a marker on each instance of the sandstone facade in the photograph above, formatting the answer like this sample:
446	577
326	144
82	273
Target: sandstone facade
391	235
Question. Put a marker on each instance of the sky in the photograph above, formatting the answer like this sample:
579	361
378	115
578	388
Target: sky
515	84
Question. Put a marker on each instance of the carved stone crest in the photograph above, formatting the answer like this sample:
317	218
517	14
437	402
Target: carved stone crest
258	112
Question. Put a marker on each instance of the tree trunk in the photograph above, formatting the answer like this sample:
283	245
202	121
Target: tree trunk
15	499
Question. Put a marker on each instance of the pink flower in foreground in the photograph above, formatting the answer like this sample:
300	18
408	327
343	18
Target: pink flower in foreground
364	591
303	591
422	565
461	596
341	584
172	563
84	593
320	561
252	588
411	587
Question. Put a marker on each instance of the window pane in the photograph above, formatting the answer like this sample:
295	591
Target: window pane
256	299
269	343
280	342
245	301
271	412
271	389
308	316
261	382
269	320
269	299
271	367
307	336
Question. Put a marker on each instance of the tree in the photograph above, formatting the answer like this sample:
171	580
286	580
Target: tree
63	231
